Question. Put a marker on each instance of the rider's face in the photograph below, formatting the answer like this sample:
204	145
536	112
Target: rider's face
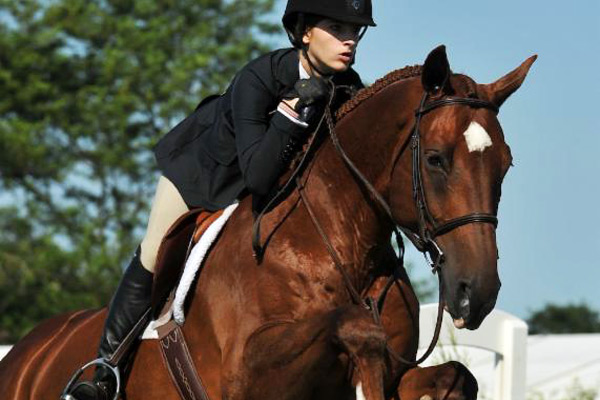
332	44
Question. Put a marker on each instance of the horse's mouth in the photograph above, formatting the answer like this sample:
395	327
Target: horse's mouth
460	322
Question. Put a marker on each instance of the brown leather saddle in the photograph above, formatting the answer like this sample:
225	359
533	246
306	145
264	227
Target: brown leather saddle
174	250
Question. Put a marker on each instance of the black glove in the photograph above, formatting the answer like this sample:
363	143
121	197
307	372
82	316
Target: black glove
312	95
311	91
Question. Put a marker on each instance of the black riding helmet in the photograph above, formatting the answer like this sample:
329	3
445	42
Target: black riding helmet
353	11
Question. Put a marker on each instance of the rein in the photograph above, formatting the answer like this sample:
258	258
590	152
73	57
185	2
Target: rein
428	228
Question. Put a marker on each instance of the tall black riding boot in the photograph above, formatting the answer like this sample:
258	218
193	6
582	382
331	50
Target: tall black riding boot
130	302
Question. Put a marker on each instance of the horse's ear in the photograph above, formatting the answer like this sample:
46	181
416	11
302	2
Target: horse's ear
500	90
436	71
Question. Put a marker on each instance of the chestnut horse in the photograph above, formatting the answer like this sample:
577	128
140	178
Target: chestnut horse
287	328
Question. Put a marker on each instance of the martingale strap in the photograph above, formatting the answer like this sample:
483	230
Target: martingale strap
429	228
179	363
354	294
425	239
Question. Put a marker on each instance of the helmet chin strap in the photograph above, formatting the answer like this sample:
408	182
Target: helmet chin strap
313	67
362	34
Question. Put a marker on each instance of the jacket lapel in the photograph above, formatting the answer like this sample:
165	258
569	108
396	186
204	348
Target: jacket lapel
287	70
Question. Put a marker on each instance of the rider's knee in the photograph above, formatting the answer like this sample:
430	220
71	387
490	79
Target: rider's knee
149	252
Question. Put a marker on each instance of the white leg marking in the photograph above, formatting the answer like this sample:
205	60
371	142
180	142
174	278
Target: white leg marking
477	138
359	392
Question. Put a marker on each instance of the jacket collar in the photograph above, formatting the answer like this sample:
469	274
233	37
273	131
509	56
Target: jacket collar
287	71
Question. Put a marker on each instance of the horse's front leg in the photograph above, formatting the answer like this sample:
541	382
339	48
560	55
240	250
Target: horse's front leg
364	341
308	359
448	381
400	320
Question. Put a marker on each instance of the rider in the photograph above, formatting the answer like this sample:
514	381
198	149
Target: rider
239	143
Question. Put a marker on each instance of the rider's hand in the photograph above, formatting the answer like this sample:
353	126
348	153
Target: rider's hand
311	91
309	98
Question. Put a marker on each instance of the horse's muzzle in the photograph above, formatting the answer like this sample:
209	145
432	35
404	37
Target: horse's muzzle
471	304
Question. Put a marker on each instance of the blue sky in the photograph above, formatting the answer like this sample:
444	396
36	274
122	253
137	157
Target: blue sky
549	232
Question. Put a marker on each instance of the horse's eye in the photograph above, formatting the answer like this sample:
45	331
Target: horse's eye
435	161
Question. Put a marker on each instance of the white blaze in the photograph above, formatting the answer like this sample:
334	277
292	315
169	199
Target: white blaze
359	392
477	138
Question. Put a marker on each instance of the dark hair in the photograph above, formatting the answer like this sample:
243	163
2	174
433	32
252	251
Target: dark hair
303	22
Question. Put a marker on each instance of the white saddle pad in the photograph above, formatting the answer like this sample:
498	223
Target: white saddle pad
192	265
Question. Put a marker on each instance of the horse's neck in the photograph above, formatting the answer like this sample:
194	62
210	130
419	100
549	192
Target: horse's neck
347	212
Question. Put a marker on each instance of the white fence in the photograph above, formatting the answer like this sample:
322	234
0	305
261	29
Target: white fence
501	333
4	349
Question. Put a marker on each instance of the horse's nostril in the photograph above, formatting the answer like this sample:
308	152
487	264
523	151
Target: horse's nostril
465	307
464	303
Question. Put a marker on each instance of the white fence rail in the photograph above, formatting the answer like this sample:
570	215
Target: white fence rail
501	333
4	349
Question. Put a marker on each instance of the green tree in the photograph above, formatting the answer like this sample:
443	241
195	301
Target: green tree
88	87
570	318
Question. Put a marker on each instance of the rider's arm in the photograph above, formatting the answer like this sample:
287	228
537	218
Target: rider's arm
261	138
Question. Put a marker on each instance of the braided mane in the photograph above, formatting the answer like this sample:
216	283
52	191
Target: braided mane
380	84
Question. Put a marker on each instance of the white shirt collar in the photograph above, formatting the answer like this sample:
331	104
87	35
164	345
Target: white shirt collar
303	73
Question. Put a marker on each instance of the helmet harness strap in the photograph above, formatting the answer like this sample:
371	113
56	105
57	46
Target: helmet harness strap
313	67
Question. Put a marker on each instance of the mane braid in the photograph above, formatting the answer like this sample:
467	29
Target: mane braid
409	71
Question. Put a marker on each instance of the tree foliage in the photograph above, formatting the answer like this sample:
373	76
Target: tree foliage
88	87
570	318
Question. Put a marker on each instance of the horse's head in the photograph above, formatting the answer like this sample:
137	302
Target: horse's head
463	160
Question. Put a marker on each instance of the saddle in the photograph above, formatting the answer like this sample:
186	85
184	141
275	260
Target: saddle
174	250
173	253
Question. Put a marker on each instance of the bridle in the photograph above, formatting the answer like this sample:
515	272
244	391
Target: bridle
428	228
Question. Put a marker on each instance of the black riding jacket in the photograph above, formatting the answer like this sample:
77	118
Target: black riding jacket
232	143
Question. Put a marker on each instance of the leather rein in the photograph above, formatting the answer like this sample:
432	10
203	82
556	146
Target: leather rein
428	227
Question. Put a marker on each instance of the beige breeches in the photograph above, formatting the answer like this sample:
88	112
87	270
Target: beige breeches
167	206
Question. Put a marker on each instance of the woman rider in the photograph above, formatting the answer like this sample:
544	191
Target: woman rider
239	143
